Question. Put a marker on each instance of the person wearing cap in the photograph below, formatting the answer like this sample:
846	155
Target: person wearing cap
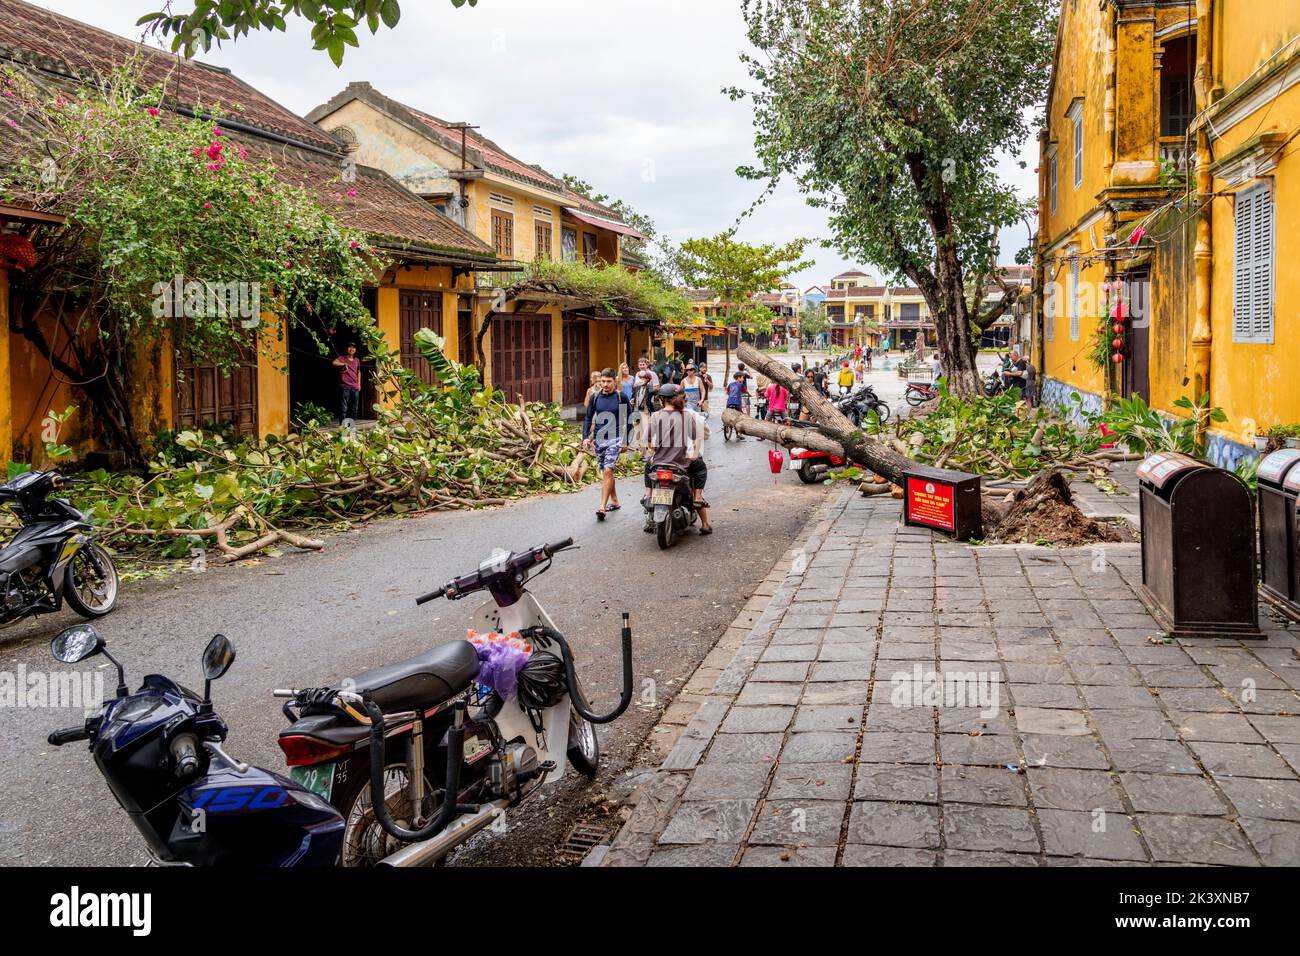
676	437
693	386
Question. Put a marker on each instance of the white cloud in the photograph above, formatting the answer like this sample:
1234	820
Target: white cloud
607	91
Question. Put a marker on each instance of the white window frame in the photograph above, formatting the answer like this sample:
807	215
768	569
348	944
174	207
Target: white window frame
1254	320
1074	299
1049	311
1075	115
1053	179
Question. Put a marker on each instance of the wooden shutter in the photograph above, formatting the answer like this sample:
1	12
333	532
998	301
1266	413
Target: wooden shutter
418	310
503	234
1252	267
544	236
1049	319
1074	300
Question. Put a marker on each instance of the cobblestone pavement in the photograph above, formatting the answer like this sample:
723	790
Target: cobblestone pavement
1065	731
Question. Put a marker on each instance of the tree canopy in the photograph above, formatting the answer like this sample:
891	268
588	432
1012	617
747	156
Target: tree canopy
334	23
737	271
892	115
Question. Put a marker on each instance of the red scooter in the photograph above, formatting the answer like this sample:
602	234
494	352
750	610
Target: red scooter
810	465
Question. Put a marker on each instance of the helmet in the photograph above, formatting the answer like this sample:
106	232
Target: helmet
542	681
669	392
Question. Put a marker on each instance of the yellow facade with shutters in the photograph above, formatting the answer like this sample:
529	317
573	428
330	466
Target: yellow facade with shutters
1169	181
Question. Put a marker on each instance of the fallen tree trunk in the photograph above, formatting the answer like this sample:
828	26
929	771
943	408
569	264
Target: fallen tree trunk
1043	511
852	442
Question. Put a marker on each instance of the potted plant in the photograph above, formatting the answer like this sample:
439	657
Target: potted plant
1261	443
1285	435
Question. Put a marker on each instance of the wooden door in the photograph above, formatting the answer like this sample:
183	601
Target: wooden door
419	310
1137	364
577	360
205	395
521	357
467	353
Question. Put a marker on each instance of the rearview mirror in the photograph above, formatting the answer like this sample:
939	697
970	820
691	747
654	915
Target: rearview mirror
76	644
217	657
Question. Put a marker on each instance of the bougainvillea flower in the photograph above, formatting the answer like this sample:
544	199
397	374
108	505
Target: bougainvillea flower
214	150
152	111
352	194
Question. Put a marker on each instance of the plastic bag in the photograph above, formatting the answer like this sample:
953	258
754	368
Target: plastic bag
501	658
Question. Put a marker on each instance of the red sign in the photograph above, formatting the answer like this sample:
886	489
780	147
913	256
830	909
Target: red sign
931	503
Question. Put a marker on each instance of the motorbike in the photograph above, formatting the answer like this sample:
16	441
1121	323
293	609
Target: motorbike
811	466
54	556
160	752
856	405
449	754
918	393
670	506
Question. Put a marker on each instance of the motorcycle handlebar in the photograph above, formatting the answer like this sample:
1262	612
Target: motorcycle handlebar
474	582
68	735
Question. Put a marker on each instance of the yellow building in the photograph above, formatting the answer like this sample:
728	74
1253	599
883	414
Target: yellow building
284	369
1167	164
541	348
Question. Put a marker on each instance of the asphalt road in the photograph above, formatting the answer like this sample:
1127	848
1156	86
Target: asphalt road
308	619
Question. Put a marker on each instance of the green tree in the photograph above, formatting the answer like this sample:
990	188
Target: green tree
334	23
812	321
892	114
154	200
737	271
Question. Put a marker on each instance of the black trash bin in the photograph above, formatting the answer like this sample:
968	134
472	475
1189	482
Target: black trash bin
1198	548
1279	574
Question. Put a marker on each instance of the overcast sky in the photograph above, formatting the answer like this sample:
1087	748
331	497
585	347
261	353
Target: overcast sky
622	93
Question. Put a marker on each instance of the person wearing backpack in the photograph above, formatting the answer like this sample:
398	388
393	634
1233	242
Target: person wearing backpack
604	434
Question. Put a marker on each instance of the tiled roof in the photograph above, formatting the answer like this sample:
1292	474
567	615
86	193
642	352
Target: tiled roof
70	50
480	148
382	207
44	40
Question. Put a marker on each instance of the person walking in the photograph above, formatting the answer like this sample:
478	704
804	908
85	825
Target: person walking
845	380
778	401
349	366
604	433
707	379
866	354
693	388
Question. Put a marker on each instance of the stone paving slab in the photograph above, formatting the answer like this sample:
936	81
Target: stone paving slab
902	700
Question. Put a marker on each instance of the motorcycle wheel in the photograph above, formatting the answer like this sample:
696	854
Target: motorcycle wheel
91	582
728	433
664	533
882	411
365	843
584	746
808	474
915	398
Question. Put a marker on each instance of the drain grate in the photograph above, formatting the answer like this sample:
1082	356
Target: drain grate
581	840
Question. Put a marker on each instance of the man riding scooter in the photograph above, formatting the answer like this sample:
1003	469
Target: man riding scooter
676	437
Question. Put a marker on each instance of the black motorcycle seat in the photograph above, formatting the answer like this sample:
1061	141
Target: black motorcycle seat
423	681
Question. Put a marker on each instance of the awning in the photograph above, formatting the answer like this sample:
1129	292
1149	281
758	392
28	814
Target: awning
599	223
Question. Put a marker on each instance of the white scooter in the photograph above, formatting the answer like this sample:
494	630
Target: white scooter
449	753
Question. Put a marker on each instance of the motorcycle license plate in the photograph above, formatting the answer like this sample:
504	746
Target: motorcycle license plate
661	496
319	779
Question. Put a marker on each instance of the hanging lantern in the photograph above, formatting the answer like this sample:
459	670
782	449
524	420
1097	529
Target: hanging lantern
1117	358
1118	328
17	252
776	460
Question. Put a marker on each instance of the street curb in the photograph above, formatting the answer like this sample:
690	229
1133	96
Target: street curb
659	798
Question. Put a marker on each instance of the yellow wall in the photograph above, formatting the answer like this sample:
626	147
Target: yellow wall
273	377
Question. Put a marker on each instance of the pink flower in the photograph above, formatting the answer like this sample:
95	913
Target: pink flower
216	131
12	124
214	150
252	200
354	244
207	205
243	153
152	111
352	194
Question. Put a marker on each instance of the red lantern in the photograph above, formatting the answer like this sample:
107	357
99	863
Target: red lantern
1117	358
1118	312
1118	328
1117	343
776	460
